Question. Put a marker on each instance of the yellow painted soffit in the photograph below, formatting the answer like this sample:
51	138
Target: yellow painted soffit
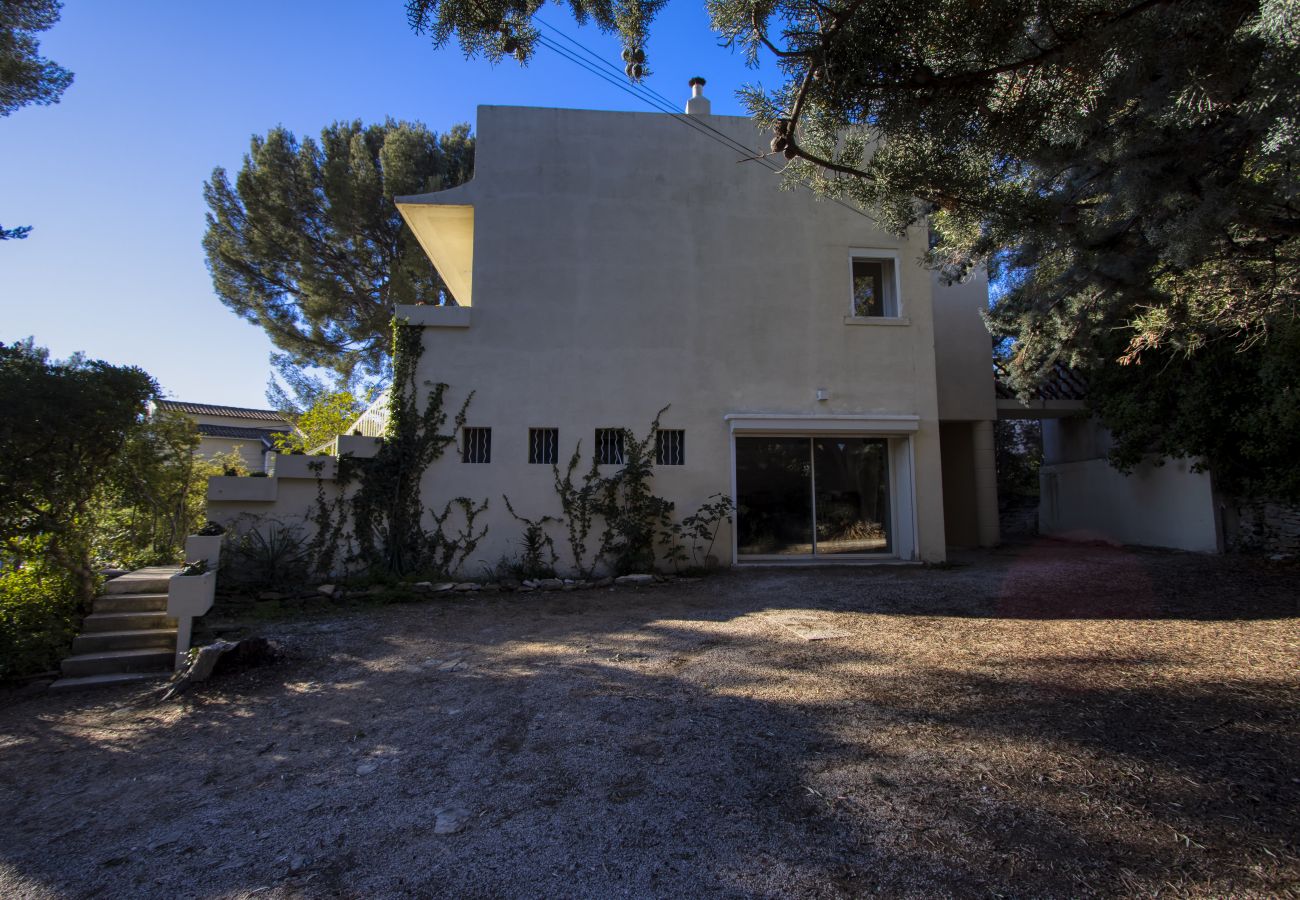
447	235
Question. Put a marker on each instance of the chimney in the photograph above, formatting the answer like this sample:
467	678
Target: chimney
699	104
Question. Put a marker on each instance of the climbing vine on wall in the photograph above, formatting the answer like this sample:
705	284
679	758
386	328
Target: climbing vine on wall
578	499
633	514
633	517
386	510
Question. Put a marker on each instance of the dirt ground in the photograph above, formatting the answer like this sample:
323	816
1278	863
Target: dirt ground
1044	720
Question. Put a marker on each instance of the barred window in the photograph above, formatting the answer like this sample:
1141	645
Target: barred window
544	445
670	449
609	446
476	445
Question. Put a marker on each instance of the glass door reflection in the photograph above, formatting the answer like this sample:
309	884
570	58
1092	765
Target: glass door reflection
852	504
812	496
773	496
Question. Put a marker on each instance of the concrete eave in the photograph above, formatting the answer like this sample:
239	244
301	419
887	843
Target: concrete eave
1040	409
445	230
434	316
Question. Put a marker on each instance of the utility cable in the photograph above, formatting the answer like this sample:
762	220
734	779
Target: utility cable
611	74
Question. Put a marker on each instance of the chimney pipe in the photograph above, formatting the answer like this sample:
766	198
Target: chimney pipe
699	104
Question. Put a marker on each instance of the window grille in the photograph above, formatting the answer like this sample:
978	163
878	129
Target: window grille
544	446
476	445
609	446
671	448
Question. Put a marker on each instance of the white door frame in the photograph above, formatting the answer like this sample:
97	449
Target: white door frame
897	429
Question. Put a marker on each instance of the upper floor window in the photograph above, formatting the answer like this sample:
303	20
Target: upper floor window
609	446
670	449
544	446
875	285
476	445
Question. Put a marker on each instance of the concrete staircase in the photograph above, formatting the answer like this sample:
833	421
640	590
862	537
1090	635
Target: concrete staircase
128	637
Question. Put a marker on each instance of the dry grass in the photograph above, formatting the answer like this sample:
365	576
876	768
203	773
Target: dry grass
1047	721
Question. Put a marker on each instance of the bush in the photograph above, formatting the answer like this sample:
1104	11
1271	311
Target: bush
266	554
39	617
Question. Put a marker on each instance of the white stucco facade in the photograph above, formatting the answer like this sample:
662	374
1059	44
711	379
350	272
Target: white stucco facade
619	263
607	265
1161	503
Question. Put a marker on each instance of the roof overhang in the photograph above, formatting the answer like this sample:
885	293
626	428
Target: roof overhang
1010	408
446	233
843	423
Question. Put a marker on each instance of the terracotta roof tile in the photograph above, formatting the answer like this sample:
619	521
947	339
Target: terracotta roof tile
234	412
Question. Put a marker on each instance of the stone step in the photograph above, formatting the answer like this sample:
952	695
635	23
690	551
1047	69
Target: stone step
93	681
115	661
152	580
125	621
131	603
136	639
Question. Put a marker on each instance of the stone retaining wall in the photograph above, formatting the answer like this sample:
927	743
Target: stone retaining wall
1262	526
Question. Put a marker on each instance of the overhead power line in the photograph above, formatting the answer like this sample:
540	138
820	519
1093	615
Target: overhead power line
595	64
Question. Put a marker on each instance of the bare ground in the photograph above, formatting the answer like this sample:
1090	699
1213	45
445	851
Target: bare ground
1048	720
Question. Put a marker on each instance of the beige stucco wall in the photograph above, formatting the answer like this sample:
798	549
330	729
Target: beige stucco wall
252	452
963	349
1084	498
623	263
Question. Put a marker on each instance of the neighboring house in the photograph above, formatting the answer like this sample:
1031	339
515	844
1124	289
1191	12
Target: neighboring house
606	265
250	432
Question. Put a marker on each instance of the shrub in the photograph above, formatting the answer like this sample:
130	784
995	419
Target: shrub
39	617
268	555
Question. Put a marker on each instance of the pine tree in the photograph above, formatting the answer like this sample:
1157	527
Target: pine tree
308	244
26	77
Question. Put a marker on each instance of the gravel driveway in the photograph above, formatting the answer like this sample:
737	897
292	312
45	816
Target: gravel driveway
1043	720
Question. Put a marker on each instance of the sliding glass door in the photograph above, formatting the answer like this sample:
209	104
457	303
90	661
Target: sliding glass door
812	496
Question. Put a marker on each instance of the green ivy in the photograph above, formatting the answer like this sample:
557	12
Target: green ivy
386	511
633	514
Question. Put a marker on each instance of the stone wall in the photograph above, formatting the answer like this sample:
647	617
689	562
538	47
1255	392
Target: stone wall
1262	526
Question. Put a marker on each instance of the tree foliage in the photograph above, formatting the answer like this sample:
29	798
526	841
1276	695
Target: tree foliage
308	245
64	428
154	496
26	77
86	479
1237	409
1129	167
330	415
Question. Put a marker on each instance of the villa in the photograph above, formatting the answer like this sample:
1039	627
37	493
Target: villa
603	266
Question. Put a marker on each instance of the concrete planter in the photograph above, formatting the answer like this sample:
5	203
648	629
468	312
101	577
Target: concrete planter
357	445
244	490
190	595
290	466
206	547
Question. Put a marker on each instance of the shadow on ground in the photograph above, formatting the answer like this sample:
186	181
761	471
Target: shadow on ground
1015	726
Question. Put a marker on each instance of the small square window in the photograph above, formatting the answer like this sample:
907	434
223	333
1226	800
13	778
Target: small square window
609	446
544	446
875	287
670	448
476	445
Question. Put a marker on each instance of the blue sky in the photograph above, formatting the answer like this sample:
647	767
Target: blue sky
111	177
